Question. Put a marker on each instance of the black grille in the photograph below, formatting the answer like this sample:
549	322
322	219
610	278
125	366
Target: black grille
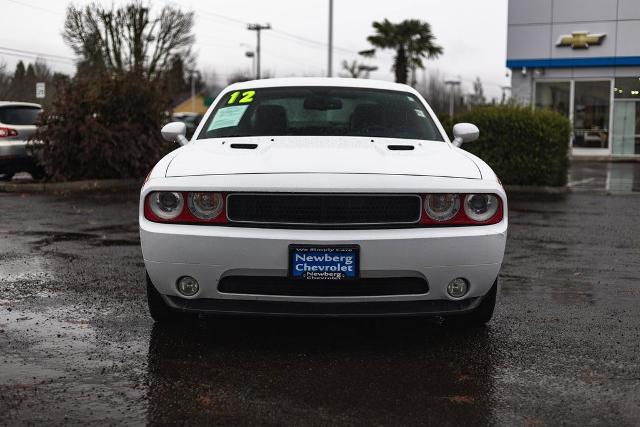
324	209
276	285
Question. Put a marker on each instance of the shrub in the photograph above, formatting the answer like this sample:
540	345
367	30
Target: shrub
104	128
523	146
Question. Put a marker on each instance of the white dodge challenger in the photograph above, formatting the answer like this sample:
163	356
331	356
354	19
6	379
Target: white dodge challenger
322	197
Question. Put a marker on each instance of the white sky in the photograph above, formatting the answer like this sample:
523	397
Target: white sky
472	33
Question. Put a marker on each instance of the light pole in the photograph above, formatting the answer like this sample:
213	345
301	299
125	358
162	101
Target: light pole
330	43
258	28
452	85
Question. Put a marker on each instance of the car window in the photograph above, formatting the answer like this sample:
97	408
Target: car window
19	115
320	111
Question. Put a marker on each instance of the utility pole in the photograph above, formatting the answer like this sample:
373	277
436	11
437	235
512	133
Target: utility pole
257	28
330	44
452	85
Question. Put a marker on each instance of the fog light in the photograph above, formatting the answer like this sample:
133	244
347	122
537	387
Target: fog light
188	286
458	287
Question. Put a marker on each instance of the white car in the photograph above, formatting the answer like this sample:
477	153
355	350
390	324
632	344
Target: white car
322	197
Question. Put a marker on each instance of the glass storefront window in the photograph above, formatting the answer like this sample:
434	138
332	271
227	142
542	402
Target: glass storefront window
627	87
626	116
591	114
626	127
554	96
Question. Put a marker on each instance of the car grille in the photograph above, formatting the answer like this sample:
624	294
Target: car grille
278	285
324	210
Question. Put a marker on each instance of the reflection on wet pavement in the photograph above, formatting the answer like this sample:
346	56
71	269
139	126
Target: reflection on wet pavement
319	372
615	177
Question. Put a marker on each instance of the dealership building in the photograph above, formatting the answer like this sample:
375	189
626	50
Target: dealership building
580	58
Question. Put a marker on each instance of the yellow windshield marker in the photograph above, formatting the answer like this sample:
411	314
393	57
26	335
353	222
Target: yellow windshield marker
247	97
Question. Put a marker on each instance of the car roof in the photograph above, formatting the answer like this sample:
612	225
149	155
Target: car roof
321	81
19	104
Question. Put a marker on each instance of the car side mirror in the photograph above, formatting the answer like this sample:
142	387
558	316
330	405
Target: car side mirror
175	132
464	132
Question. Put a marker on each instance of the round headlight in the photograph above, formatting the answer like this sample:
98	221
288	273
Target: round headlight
480	207
166	204
205	205
441	207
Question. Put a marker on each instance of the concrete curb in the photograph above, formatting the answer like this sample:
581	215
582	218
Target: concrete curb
71	186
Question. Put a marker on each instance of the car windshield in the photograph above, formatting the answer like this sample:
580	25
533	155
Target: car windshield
320	111
19	115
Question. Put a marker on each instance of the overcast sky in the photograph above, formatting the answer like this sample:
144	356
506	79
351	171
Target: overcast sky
472	33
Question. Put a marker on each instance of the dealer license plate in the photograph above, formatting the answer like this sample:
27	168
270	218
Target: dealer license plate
311	262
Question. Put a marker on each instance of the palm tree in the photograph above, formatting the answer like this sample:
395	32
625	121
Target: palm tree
412	40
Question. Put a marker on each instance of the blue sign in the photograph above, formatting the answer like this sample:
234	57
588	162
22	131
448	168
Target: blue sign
324	262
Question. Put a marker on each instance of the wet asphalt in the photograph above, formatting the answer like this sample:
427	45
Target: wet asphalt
78	347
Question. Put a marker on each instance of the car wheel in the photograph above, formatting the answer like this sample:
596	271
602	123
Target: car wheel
161	312
481	314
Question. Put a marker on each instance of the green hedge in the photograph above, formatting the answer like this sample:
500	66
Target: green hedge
523	146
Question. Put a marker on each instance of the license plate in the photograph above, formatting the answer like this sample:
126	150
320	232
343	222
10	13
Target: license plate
309	262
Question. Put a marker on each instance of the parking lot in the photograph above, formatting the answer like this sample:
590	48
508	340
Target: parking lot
78	346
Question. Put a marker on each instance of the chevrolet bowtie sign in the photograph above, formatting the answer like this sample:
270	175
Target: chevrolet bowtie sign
580	40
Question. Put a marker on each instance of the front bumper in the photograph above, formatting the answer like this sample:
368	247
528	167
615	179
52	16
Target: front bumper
323	309
210	253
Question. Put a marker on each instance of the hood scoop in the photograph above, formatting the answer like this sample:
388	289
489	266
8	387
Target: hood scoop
400	147
244	146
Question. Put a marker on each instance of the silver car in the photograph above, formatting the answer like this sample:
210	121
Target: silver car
17	124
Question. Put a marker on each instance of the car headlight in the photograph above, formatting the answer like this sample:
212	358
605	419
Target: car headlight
205	205
166	204
441	207
480	207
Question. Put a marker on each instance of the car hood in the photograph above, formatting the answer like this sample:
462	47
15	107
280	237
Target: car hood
315	154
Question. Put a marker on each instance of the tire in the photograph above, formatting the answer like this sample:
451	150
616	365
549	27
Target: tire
160	312
480	315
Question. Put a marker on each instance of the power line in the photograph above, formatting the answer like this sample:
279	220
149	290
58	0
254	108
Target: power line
281	33
34	7
29	52
32	57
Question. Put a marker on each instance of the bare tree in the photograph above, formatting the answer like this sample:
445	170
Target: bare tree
5	81
239	76
438	94
477	97
351	69
128	38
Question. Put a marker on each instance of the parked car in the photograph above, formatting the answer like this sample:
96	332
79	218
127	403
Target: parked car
322	197
191	121
17	124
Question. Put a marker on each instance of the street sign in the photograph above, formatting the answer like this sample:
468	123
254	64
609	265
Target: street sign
40	90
